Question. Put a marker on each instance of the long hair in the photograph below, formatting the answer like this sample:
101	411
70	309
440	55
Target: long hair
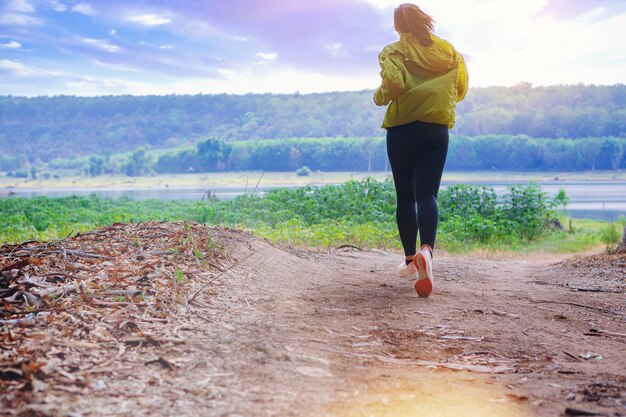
409	18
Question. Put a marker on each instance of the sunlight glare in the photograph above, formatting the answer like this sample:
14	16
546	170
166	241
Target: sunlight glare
435	395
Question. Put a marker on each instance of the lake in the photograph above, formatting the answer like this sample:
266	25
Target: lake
602	199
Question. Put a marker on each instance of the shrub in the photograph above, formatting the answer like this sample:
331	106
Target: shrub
305	171
356	212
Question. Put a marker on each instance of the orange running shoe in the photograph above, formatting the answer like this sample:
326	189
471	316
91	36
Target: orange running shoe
423	260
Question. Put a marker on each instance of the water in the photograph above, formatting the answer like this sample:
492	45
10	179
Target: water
602	200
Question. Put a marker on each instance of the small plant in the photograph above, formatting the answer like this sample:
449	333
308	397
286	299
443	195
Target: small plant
561	200
211	244
198	255
121	299
180	276
611	235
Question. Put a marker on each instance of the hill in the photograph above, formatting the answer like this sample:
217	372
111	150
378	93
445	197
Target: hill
45	128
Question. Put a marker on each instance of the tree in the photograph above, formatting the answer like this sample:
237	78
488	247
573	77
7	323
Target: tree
213	154
96	165
295	158
138	163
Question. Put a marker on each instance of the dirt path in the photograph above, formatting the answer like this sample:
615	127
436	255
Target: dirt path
303	334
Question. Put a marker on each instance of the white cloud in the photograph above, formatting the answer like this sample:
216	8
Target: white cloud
267	56
86	86
19	19
84	8
116	67
101	44
90	86
19	6
16	13
10	45
14	68
149	20
57	6
166	47
226	72
336	49
284	81
113	32
40	81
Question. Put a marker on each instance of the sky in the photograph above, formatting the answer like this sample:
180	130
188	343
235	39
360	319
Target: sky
104	47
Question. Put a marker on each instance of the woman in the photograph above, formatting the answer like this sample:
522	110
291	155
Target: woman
423	77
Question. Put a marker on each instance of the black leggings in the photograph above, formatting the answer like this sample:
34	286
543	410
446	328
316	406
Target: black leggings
417	153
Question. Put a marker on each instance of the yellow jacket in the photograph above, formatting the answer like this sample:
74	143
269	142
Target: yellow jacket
421	83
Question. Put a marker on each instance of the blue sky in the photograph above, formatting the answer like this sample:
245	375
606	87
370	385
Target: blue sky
97	47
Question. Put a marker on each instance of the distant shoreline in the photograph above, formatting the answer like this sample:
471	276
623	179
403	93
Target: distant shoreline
228	180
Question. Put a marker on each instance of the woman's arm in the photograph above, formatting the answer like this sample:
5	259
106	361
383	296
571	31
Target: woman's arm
392	84
462	83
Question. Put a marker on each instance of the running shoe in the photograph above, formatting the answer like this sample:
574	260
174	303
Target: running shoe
407	271
424	263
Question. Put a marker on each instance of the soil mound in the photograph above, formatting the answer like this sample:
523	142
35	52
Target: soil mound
596	273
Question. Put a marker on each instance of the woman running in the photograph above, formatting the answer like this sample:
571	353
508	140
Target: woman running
423	77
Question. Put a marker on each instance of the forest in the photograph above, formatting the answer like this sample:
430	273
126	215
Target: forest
489	152
560	127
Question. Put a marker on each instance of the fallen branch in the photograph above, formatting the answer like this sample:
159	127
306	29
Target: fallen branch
497	313
576	412
602	310
349	247
454	366
606	332
26	320
65	289
571	355
99	303
76	253
590	289
41	310
61	274
504	314
469	338
123	293
15	265
159	252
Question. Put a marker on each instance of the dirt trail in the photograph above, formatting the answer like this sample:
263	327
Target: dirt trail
295	333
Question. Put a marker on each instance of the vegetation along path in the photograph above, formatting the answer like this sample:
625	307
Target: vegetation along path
257	330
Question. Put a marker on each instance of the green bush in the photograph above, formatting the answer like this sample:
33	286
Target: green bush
356	212
612	233
305	171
